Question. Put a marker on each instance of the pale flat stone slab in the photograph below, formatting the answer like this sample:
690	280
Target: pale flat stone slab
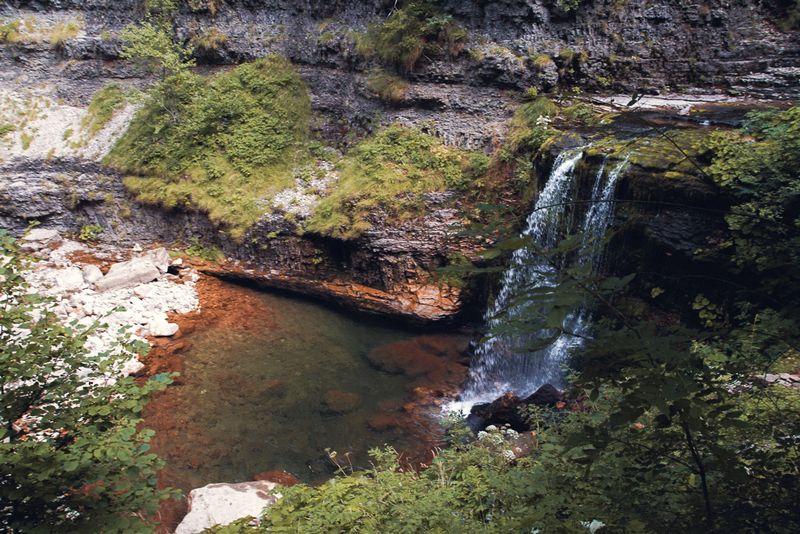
41	234
128	274
222	504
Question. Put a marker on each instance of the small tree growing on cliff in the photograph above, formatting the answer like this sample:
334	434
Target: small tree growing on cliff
151	45
71	457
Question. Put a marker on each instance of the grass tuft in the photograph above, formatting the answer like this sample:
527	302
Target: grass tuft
63	32
387	86
391	171
105	104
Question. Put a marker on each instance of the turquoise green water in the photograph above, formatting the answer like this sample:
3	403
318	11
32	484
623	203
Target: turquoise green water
252	398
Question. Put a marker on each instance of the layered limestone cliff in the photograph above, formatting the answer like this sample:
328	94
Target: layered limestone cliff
51	171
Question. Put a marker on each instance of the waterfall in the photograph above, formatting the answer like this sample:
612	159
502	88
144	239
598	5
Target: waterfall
501	363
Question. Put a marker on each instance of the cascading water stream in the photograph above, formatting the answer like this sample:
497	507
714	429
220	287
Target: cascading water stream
501	364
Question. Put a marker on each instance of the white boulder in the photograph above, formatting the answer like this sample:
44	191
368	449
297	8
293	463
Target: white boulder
162	328
158	257
91	274
143	291
69	279
222	504
128	274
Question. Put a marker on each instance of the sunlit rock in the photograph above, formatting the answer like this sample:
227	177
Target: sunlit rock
222	504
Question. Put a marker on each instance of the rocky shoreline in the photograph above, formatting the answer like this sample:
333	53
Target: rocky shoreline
130	292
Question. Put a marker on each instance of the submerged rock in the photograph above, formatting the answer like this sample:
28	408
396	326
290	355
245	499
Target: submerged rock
278	476
340	402
222	504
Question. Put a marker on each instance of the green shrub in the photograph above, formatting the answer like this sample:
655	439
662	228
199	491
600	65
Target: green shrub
73	457
761	173
791	17
26	139
152	45
389	87
569	5
161	7
224	144
212	6
529	126
390	170
204	252
90	232
105	103
209	39
417	28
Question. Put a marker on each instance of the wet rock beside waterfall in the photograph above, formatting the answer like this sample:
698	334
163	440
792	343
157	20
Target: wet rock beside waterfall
340	402
510	409
503	411
222	504
547	395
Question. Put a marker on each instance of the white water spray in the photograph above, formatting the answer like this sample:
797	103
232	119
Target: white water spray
501	363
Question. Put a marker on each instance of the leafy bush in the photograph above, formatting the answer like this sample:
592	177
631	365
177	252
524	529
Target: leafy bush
529	125
90	232
791	15
389	87
72	458
204	252
224	144
417	28
152	45
209	39
105	103
212	6
162	7
26	139
469	489
761	172
569	5
390	170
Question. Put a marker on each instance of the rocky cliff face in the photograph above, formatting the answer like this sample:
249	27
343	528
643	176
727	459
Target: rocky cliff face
606	46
